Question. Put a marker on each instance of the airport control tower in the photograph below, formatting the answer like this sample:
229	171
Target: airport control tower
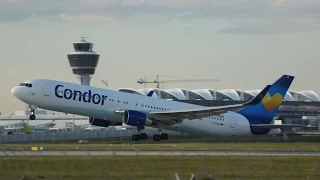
83	60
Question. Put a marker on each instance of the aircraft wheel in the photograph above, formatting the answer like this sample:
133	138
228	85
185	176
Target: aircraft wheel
164	136
135	137
143	136
156	137
32	117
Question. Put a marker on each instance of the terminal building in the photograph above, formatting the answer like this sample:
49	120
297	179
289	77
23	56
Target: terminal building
219	95
48	122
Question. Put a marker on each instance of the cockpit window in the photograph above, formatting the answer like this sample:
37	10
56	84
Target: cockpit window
26	84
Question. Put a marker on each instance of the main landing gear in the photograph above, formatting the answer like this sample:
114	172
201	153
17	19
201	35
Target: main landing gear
144	136
161	136
139	136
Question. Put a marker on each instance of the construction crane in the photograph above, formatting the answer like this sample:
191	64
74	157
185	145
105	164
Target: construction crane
180	80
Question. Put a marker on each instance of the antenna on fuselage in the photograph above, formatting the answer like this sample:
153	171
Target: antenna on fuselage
105	82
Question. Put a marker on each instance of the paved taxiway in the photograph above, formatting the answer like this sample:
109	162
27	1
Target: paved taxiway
159	153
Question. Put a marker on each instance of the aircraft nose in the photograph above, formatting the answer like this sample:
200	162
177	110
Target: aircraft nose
279	131
14	91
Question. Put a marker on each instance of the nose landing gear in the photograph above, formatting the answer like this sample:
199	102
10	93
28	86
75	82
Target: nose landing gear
32	116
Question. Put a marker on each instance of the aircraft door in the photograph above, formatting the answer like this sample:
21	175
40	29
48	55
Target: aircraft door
47	90
233	122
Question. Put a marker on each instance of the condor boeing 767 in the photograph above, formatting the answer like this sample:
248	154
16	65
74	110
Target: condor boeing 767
109	108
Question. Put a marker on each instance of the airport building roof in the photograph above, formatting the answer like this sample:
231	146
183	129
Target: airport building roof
222	95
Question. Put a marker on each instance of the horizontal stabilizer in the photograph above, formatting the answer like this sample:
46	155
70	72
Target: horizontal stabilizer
274	126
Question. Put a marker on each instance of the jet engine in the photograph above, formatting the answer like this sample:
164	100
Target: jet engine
102	122
136	118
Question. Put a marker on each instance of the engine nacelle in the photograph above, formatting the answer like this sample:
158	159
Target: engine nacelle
274	131
103	123
136	118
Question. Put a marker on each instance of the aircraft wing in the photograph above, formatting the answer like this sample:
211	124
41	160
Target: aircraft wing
178	115
274	126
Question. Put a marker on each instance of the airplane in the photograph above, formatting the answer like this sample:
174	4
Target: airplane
27	128
112	108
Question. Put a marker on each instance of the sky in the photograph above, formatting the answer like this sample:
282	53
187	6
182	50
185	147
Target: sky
246	44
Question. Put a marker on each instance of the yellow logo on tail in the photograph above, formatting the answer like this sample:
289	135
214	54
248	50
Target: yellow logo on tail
272	102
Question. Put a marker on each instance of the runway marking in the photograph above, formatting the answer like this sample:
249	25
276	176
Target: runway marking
159	153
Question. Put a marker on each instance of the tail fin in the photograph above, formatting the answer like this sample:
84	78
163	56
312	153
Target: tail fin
259	97
264	112
26	128
150	93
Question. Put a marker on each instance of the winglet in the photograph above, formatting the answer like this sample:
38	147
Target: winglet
150	93
256	100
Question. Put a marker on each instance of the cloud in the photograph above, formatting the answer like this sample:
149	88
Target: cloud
88	17
246	16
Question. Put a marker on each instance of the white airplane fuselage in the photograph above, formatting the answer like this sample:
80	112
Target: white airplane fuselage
101	103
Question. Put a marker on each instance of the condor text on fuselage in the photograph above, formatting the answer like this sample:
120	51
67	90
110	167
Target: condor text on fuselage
77	95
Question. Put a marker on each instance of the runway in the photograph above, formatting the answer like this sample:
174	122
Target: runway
159	153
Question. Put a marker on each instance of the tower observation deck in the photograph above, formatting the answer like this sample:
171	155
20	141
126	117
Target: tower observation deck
83	60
